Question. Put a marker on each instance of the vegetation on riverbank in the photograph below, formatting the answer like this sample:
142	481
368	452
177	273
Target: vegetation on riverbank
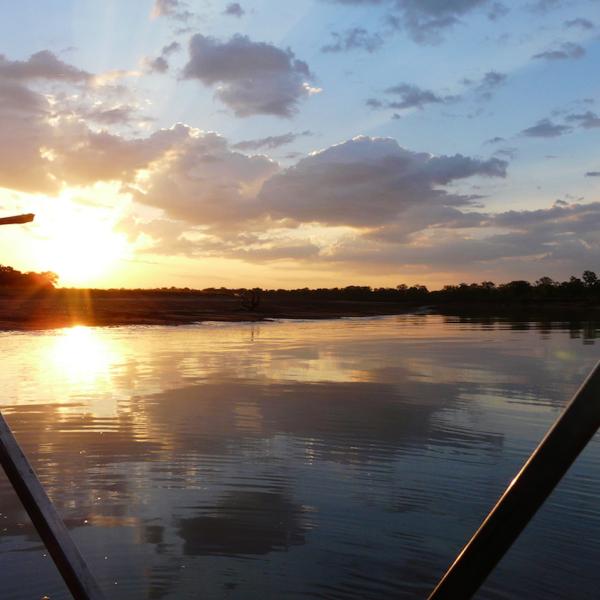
31	300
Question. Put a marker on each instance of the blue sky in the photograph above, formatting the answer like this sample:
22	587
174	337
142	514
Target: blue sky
320	142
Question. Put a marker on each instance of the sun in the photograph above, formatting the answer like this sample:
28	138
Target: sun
78	243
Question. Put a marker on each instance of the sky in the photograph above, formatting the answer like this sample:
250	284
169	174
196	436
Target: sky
314	143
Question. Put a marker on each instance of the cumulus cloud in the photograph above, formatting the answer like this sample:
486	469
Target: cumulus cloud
234	9
396	209
356	38
366	182
565	51
252	77
546	129
26	132
201	180
42	65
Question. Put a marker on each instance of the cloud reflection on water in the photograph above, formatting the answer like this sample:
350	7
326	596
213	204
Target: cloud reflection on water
367	447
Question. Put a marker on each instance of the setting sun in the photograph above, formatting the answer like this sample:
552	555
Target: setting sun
78	245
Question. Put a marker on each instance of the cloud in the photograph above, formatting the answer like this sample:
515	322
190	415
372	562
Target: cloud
409	96
426	21
26	132
270	142
367	182
199	179
546	129
157	65
252	77
593	174
495	140
497	11
234	9
545	6
565	51
579	23
392	208
356	38
564	237
116	115
489	83
42	65
174	9
587	120
160	64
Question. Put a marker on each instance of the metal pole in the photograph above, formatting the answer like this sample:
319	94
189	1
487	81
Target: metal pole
17	219
39	507
525	494
46	520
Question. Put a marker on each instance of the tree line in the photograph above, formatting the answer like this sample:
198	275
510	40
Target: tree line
584	289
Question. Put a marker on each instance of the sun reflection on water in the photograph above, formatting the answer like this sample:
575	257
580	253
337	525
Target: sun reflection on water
81	355
83	360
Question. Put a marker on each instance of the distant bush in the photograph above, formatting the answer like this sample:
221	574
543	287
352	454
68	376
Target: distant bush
12	278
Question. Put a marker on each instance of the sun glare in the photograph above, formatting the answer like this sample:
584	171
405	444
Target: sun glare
78	244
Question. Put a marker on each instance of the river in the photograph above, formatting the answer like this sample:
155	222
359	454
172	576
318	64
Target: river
321	459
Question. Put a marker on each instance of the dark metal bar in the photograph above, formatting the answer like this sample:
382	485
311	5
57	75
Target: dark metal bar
46	520
525	494
39	507
17	219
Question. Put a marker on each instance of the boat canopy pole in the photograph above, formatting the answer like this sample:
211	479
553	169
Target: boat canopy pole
17	219
39	507
525	494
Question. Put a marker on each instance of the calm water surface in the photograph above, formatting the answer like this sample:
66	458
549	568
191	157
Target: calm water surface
334	459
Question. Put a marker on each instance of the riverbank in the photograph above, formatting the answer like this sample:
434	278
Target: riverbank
48	309
65	308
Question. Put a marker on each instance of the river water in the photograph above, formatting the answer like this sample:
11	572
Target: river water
320	459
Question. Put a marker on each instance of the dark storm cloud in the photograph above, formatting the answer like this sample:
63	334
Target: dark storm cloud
252	77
